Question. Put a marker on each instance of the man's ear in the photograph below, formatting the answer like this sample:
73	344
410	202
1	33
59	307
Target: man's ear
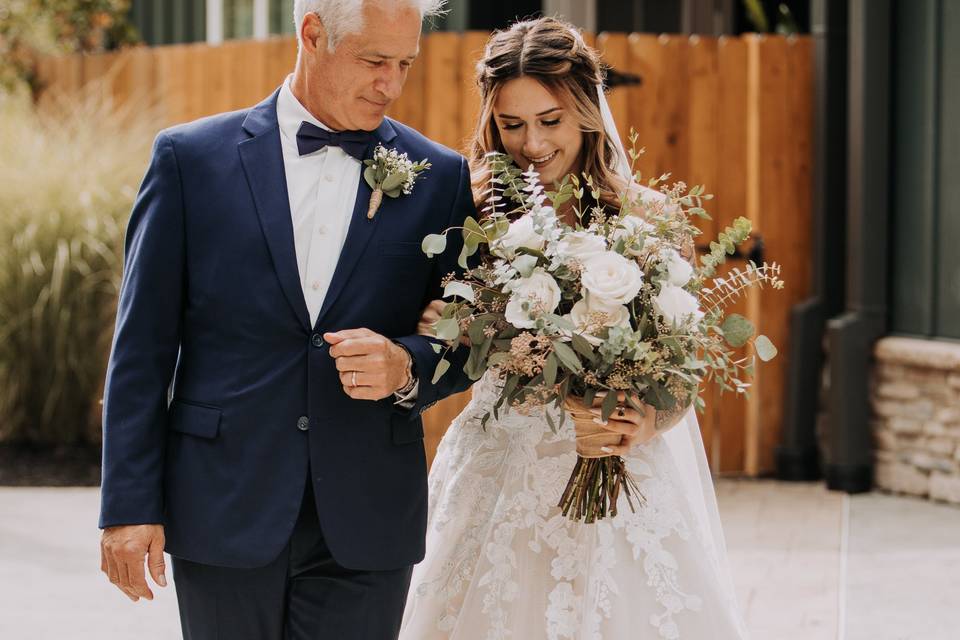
313	34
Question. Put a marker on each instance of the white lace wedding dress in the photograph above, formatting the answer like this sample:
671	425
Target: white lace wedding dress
502	562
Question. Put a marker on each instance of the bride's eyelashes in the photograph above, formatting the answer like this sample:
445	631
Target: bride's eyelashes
509	126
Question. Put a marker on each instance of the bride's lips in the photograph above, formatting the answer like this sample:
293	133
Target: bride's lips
541	161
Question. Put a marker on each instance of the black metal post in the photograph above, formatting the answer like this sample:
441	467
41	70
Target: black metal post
852	335
798	457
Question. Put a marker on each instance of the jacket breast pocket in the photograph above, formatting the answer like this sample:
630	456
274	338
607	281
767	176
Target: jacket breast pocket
193	419
405	431
402	250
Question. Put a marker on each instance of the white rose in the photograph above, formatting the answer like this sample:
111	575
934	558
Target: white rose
520	234
676	305
679	271
616	316
581	245
611	278
629	229
539	293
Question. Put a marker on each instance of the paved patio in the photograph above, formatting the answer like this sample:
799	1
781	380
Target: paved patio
809	565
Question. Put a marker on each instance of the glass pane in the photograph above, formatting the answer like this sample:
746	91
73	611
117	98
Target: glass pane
281	17
237	19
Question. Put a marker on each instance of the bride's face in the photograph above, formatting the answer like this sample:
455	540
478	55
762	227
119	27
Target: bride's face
536	129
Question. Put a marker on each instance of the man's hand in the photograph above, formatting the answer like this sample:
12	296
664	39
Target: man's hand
371	366
122	550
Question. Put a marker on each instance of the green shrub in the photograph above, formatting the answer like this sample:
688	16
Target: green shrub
68	177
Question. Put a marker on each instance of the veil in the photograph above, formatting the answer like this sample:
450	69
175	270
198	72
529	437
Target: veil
684	440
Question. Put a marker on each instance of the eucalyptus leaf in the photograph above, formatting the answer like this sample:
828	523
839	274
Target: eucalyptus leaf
441	369
462	289
609	404
447	329
766	350
392	182
433	244
567	356
550	370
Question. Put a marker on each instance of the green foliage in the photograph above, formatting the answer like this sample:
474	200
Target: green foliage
32	27
69	179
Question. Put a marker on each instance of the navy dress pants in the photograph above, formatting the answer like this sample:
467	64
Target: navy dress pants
302	595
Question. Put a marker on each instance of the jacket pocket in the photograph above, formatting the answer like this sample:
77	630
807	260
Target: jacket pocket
404	430
194	419
402	250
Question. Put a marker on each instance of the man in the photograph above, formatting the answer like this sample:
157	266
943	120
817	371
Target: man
284	470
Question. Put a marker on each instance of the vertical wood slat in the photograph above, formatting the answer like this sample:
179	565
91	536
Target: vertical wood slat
730	191
471	51
646	61
614	48
441	83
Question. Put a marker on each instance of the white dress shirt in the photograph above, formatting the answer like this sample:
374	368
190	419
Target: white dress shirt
322	188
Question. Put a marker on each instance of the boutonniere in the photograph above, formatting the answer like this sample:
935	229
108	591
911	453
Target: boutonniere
390	173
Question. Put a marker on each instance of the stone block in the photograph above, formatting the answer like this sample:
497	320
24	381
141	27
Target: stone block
905	425
902	478
947	415
898	391
954	380
916	352
945	487
941	447
886	440
927	462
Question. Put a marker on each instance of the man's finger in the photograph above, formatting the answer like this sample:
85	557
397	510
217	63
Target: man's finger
336	337
356	346
358	363
155	562
124	583
138	579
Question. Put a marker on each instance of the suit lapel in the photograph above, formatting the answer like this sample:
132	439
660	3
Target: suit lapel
361	228
262	159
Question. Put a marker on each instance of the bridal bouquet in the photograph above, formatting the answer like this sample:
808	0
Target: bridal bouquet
567	314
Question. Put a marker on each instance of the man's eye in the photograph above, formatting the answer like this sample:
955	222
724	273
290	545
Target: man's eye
551	123
405	64
374	63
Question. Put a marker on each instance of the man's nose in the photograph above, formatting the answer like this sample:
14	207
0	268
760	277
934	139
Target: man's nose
390	82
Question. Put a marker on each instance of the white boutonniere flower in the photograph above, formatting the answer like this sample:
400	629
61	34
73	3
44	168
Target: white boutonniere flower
390	173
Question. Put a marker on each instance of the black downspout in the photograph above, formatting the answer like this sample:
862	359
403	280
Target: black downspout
852	335
797	457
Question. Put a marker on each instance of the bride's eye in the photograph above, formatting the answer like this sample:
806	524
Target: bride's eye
511	125
551	123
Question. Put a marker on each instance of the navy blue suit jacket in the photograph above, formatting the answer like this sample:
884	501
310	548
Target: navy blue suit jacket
212	302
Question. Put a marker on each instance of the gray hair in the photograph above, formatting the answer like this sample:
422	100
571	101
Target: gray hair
342	17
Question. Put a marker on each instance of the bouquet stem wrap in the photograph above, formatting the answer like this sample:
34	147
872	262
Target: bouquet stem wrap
598	478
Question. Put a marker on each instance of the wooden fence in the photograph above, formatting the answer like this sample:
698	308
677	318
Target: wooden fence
734	114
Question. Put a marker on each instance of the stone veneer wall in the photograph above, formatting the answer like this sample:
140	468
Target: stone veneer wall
916	404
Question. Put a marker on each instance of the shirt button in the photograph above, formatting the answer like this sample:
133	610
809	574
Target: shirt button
303	423
316	340
315	286
328	178
322	229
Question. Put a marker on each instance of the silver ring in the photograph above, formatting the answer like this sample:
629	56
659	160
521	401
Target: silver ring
353	379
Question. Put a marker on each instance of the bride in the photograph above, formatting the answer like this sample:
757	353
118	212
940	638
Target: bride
502	561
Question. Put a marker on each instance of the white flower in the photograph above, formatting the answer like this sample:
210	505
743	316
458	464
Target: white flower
591	317
581	245
530	298
520	234
611	278
676	305
631	230
679	271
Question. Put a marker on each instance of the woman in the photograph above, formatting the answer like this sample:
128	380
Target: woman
502	561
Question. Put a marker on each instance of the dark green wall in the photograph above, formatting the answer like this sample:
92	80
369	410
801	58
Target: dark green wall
170	21
925	181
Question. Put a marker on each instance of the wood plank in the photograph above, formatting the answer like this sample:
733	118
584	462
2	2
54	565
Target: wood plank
214	69
730	202
135	84
646	61
441	88
671	154
409	107
437	420
702	161
172	81
471	51
614	49
281	58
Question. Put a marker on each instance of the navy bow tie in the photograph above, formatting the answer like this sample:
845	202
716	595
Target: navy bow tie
312	138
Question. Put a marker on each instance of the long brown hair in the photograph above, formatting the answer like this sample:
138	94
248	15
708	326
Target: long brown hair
552	52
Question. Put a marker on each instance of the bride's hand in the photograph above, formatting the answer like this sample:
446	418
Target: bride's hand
429	317
635	427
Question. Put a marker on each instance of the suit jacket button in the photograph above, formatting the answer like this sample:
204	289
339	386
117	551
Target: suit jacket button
303	423
316	340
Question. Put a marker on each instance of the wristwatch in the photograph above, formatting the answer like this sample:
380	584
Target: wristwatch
411	378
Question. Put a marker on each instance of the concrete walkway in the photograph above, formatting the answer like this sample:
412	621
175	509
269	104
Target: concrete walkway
809	565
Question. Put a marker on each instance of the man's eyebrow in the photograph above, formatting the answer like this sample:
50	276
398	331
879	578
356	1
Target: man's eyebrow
542	113
377	54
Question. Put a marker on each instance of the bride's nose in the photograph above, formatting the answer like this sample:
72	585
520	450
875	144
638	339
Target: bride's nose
534	145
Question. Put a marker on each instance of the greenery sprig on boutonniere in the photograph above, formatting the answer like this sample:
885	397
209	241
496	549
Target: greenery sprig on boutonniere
390	173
